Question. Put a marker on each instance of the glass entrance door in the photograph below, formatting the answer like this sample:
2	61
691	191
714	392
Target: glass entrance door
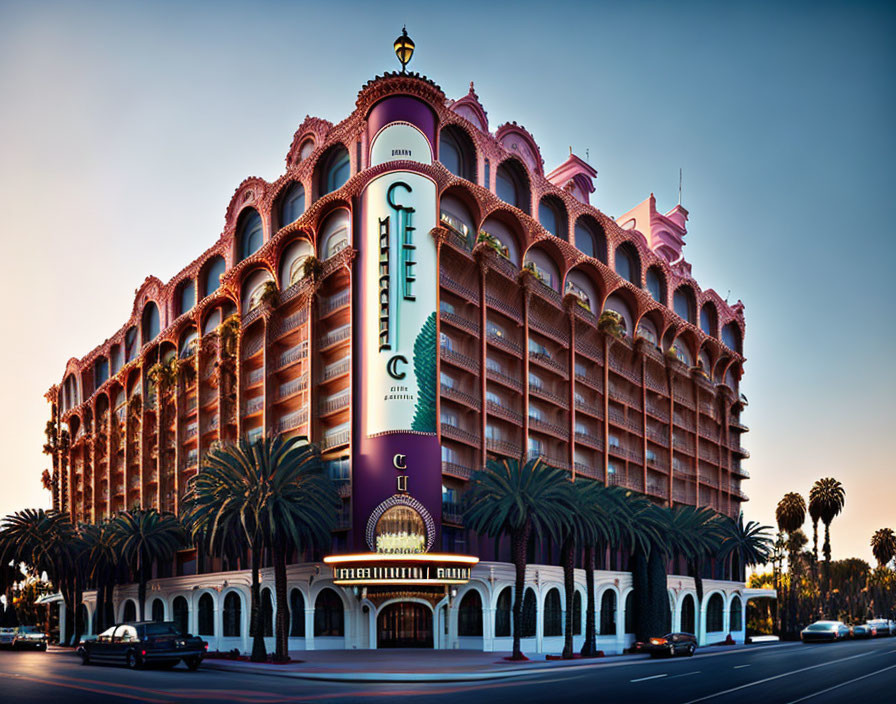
404	624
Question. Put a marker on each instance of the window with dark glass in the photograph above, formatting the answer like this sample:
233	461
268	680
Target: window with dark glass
655	285
553	614
529	615
250	233
329	616
232	619
502	613
469	617
206	615
608	614
293	204
297	614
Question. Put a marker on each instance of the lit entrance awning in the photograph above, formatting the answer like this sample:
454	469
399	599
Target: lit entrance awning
407	569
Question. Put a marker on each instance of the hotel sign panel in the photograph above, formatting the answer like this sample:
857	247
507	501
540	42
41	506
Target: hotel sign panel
425	569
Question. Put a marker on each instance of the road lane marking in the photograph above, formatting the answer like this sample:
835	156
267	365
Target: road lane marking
842	684
738	667
685	674
652	677
777	677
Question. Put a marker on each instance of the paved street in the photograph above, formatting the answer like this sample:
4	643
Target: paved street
838	672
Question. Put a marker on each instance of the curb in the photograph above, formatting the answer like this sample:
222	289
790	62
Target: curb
524	671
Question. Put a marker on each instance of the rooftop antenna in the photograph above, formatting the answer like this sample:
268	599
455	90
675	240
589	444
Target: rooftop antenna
679	185
587	155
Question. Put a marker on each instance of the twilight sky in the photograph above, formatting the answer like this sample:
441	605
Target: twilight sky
125	129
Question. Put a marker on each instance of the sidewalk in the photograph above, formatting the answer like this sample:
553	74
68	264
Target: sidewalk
417	665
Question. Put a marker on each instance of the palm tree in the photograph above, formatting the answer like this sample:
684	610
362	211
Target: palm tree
101	542
522	500
697	535
145	536
589	524
790	515
222	509
883	546
46	541
830	496
298	511
749	544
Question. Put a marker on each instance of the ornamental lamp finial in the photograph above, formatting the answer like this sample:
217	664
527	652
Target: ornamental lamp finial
404	49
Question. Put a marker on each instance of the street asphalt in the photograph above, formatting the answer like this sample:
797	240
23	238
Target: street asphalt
852	671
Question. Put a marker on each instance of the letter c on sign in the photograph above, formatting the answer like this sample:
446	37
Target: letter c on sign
392	366
400	461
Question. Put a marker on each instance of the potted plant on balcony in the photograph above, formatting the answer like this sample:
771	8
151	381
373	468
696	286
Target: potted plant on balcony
493	242
611	323
312	268
269	295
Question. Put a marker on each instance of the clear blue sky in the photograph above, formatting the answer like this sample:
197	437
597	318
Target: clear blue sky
125	128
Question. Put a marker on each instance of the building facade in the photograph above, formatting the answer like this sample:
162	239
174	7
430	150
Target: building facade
416	295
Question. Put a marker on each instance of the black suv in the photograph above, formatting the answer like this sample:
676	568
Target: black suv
144	643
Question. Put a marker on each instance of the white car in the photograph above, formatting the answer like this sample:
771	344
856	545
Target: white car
30	638
883	626
7	636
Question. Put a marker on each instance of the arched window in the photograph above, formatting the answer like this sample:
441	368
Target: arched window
708	319
469	616
455	215
130	611
292	263
292	205
608	613
158	610
334	235
529	615
100	371
714	615
684	304
512	185
150	322
655	285
736	614
206	615
334	170
731	337
553	614
577	613
329	618
115	359
590	238
456	152
131	343
214	270
552	216
630	612
267	614
232	617
249	233
187	297
688	621
297	614
628	264
618	304
180	614
502	613
189	344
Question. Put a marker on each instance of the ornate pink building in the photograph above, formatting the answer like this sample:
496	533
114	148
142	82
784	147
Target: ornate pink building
268	327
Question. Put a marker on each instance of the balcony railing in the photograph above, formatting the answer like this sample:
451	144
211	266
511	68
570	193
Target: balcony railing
191	430
289	323
292	420
502	447
292	355
548	427
335	302
509	310
459	359
467	293
289	388
256	376
588	470
462	397
254	405
589	439
547	361
456	470
340	334
500	339
543	393
334	403
335	439
454	433
502	411
336	369
506	379
460	321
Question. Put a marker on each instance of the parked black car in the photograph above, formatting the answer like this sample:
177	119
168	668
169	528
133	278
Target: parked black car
144	643
671	644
